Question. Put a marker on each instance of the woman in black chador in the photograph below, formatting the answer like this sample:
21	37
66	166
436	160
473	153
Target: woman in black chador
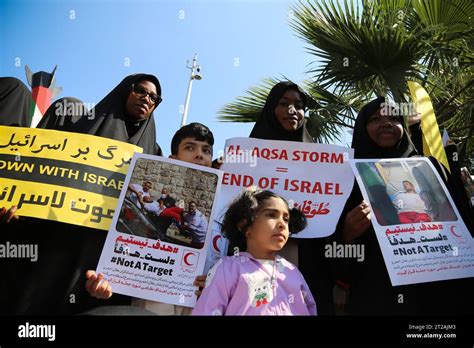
54	284
125	114
380	136
16	103
282	118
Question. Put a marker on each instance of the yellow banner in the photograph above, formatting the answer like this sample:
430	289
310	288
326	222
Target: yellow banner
62	176
432	142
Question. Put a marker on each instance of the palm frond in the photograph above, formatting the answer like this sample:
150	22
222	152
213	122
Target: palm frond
326	115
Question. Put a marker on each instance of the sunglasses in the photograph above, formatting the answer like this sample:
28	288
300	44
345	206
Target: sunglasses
141	92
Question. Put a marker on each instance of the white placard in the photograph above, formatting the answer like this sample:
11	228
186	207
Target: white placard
315	178
150	256
420	232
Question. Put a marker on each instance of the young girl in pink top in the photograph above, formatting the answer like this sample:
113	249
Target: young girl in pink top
256	281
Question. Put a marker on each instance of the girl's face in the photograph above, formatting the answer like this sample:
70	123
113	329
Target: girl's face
269	231
290	110
385	131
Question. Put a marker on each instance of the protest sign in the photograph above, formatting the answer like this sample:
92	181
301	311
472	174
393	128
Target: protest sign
62	176
420	232
315	178
154	251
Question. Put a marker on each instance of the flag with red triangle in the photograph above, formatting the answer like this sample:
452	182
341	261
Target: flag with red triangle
43	90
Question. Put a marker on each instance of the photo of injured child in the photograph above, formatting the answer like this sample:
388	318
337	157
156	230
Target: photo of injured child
404	192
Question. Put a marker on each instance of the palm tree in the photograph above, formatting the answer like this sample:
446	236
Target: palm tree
448	77
373	48
326	115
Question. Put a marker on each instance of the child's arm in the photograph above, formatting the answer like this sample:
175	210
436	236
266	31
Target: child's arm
97	286
216	294
308	298
200	282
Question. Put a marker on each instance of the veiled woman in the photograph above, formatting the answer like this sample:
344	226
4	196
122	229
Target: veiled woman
54	284
379	135
282	118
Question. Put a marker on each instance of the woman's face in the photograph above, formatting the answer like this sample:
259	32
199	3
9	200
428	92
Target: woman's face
139	104
290	110
385	131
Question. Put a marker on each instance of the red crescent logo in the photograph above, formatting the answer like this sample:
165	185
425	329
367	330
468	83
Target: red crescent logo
454	233
185	259
215	240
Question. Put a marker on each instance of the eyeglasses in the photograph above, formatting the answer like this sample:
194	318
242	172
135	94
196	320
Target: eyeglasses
141	92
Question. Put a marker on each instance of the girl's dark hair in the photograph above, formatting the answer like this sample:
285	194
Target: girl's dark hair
245	208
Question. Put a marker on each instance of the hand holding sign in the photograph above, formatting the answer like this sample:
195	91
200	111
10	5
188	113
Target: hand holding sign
8	215
356	222
97	286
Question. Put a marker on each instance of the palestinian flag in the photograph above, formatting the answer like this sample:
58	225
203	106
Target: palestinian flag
43	91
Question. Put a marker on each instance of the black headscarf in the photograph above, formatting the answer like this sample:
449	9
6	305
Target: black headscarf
68	251
311	260
16	103
371	290
268	126
109	118
63	113
364	147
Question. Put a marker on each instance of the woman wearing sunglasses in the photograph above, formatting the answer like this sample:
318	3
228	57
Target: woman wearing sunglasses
55	283
125	114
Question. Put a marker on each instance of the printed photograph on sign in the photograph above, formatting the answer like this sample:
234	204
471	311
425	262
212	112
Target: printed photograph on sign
157	243
404	193
168	202
421	234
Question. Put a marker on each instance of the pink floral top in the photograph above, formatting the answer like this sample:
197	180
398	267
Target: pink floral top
243	285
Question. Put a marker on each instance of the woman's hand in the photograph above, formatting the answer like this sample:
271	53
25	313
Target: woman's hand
356	222
8	215
414	119
97	286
